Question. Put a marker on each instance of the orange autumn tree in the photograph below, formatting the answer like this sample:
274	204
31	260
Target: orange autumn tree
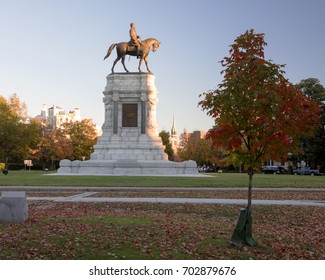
258	113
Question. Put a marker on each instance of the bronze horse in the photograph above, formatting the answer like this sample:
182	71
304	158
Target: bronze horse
123	49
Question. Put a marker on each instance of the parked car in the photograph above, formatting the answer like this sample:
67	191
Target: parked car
272	169
201	168
306	171
207	168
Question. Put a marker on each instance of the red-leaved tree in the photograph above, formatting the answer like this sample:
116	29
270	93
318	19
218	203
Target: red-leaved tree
258	113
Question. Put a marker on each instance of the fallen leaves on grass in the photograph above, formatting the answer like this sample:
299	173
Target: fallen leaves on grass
231	194
160	231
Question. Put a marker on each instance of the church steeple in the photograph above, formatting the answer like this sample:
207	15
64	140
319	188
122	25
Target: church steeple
173	130
174	138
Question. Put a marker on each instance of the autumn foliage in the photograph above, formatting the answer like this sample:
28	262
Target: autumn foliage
258	113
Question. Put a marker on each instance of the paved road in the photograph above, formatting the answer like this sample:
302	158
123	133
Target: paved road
85	197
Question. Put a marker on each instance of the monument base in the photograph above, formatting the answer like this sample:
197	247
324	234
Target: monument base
130	144
127	167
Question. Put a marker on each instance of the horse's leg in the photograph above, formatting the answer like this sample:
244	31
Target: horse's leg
123	59
139	68
146	61
115	61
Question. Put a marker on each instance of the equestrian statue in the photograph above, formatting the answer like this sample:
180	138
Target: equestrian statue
135	47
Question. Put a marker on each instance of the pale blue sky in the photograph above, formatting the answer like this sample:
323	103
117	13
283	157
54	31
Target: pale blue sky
52	51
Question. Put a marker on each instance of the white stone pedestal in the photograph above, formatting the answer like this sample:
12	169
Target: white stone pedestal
130	143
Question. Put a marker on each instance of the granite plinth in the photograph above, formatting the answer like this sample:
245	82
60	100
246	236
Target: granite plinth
130	143
128	167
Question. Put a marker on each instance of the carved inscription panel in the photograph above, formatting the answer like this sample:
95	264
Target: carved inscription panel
129	115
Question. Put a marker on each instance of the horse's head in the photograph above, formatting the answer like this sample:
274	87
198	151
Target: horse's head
155	45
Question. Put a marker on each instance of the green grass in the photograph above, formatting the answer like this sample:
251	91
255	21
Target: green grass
38	178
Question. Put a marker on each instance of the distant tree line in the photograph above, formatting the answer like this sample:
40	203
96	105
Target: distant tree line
23	137
314	147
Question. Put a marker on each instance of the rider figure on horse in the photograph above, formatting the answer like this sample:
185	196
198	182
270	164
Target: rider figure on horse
135	47
134	39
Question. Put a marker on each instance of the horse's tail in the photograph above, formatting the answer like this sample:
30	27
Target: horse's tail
109	51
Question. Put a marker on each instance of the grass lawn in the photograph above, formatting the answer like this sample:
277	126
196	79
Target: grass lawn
38	178
161	231
65	230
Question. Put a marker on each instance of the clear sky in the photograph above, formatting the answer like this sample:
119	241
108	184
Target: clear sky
51	51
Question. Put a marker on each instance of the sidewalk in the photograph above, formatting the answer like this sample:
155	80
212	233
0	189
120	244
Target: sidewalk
84	197
89	191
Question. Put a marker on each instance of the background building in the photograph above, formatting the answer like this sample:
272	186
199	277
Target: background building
194	136
55	116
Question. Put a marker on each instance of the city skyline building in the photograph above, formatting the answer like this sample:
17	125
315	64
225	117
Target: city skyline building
55	116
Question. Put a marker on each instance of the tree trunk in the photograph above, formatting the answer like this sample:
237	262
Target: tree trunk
242	233
250	186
